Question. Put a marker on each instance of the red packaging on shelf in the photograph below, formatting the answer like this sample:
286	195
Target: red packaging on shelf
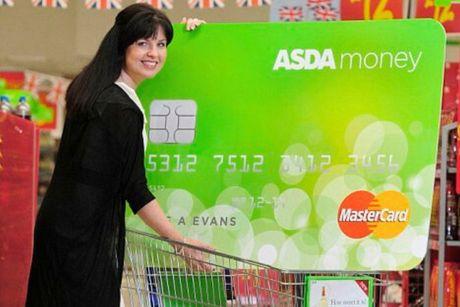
457	285
19	151
449	294
260	286
457	175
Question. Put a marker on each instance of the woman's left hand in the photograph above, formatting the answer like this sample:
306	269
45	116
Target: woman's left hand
197	259
192	23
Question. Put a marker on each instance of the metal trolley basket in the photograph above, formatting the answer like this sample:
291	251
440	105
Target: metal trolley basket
161	272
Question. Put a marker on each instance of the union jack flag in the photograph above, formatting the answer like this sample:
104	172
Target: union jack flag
50	3
251	3
103	4
318	3
6	3
159	4
292	13
31	80
205	4
57	91
325	13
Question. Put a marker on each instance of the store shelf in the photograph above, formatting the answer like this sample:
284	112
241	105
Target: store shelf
438	242
453	38
434	244
453	243
450	170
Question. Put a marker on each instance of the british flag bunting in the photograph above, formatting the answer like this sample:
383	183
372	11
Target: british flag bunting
205	4
50	3
159	4
252	3
103	4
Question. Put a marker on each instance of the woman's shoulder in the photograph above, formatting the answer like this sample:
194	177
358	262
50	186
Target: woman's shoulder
115	99
113	94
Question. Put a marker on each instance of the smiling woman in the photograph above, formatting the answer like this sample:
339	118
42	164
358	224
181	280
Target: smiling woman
146	57
80	228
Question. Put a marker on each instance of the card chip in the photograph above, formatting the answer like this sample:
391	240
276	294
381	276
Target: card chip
172	121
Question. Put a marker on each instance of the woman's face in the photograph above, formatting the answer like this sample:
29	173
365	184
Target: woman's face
145	57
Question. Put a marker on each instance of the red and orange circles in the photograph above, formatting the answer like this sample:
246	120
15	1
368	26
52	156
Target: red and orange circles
385	215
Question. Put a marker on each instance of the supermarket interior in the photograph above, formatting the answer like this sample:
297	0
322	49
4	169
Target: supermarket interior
305	152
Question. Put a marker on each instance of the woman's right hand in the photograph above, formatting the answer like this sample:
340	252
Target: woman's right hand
192	23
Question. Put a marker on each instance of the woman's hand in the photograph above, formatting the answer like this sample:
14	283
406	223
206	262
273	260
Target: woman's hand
192	23
195	259
198	260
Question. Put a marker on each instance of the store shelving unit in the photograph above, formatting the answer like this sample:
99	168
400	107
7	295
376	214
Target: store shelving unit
453	38
441	243
19	152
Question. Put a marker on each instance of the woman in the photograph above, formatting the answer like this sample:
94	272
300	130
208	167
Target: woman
80	228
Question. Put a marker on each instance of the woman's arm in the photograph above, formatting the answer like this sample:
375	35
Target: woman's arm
154	217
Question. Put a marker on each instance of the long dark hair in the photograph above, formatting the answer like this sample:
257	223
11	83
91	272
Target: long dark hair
131	24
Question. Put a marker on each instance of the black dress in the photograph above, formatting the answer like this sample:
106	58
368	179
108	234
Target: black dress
80	229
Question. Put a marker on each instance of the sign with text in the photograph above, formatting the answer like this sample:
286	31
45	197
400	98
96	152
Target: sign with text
373	9
307	146
324	291
448	16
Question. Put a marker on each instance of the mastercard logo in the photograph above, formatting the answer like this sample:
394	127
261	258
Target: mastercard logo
385	215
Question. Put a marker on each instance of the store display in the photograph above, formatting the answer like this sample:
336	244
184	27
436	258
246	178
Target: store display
373	9
448	16
449	285
27	105
452	150
19	150
413	287
260	286
25	101
5	105
450	86
392	290
451	214
22	108
435	206
457	285
44	94
444	236
324	291
457	166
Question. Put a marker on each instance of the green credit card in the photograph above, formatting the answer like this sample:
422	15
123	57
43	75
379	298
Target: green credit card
306	146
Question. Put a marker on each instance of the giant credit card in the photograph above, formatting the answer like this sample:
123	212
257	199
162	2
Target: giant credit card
306	146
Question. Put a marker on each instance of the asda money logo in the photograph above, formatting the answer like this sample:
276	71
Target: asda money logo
314	59
304	59
385	215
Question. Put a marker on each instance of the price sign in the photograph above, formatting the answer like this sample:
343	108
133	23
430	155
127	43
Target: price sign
372	9
448	15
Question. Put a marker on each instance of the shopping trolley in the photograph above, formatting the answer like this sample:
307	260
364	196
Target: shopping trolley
161	272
